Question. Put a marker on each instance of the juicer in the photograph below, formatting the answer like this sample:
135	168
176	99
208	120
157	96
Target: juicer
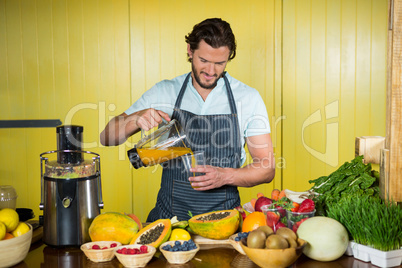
71	193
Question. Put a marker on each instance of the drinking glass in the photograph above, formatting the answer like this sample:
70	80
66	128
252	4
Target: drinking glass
193	160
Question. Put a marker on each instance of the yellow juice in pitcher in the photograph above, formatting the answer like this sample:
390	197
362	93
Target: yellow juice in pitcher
152	156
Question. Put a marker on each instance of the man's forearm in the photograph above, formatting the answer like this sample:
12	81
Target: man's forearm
118	130
251	175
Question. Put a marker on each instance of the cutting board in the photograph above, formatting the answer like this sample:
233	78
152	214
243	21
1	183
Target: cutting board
206	241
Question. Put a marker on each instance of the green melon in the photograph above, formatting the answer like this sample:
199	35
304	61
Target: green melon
215	225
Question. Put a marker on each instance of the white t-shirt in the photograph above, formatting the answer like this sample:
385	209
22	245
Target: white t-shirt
251	110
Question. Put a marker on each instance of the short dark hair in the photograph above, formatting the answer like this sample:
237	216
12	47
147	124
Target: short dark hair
215	32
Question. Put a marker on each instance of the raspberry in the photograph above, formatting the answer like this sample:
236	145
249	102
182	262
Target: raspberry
105	248
130	251
144	249
113	245
95	247
119	251
137	251
124	251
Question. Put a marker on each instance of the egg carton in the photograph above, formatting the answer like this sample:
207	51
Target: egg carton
377	257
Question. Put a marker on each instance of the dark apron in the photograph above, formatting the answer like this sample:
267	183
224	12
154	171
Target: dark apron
219	137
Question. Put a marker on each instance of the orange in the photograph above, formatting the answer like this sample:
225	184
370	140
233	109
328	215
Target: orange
253	221
259	195
8	236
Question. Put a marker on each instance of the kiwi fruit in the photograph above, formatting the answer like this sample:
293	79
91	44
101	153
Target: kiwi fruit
256	239
286	233
266	229
292	243
275	241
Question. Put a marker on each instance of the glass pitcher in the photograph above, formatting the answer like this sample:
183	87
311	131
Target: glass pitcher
165	143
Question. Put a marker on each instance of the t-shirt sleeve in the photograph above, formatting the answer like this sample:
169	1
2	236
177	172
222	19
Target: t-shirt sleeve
160	97
258	122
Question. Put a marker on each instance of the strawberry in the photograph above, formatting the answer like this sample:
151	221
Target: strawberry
307	206
278	225
281	211
272	218
95	247
297	224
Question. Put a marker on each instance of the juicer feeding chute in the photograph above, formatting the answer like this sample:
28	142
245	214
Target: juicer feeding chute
71	192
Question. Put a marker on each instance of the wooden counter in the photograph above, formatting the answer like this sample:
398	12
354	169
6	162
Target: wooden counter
221	256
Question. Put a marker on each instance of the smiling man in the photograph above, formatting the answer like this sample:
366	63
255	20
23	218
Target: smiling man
219	115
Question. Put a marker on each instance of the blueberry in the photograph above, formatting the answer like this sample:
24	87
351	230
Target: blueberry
237	238
177	243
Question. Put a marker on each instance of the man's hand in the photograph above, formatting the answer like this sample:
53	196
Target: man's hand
121	127
214	177
150	118
261	170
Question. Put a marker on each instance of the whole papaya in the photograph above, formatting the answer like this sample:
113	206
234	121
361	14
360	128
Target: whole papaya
113	226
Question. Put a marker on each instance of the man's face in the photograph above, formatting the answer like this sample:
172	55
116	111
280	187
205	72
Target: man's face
208	64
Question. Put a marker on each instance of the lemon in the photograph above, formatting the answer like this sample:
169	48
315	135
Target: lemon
21	229
10	218
179	234
2	230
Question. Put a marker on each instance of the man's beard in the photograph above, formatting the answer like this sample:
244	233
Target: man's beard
198	80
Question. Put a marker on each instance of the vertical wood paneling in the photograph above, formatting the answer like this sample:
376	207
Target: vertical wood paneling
328	58
378	61
158	51
86	61
63	60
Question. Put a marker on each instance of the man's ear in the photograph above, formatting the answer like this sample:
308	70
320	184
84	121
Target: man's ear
189	52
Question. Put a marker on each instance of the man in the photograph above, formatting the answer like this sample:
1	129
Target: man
219	114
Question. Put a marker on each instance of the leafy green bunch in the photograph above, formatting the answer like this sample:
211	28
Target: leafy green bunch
352	178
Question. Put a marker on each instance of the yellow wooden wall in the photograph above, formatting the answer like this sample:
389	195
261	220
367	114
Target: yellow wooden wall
86	61
334	83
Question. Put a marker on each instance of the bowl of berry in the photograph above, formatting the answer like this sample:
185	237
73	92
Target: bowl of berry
299	214
234	240
135	255
100	251
179	251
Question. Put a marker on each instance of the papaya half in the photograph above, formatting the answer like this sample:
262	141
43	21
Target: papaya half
215	225
154	234
113	226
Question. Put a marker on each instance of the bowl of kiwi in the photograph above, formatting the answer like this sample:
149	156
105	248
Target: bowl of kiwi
270	249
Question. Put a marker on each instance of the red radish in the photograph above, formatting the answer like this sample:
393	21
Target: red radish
262	201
